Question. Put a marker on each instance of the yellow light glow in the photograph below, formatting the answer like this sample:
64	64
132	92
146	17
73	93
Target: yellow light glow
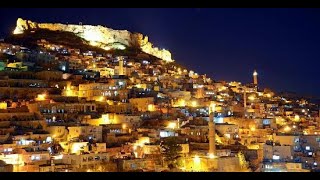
212	108
69	91
3	105
105	119
297	118
252	128
172	125
194	103
196	159
255	73
106	48
222	88
101	99
251	98
75	149
212	156
287	129
92	36
17	31
151	107
124	126
41	97
181	102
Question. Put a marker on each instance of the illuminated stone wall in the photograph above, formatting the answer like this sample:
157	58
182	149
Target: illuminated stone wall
99	36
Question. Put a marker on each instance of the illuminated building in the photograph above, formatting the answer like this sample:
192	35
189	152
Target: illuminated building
121	71
86	132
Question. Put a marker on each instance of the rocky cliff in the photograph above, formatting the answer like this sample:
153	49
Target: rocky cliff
99	36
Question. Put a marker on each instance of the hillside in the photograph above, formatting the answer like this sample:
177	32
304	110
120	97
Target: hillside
29	39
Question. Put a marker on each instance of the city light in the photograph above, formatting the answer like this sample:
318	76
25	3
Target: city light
151	107
105	118
287	129
251	98
101	99
212	156
97	99
41	97
212	107
194	103
181	102
196	159
172	125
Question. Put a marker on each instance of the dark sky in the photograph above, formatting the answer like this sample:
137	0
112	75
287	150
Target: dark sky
226	44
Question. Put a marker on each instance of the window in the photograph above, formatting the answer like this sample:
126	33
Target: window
275	157
308	148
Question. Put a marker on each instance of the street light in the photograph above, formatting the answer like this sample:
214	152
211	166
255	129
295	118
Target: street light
212	156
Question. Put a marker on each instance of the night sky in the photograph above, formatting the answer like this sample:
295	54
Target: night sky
226	44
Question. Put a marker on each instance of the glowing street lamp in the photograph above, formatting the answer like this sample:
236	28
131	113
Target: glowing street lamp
212	156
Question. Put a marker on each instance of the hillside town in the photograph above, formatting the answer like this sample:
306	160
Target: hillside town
68	109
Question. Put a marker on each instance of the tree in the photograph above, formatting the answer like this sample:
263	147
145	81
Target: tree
170	150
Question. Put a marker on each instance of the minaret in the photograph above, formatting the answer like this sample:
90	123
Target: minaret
212	131
255	77
120	65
